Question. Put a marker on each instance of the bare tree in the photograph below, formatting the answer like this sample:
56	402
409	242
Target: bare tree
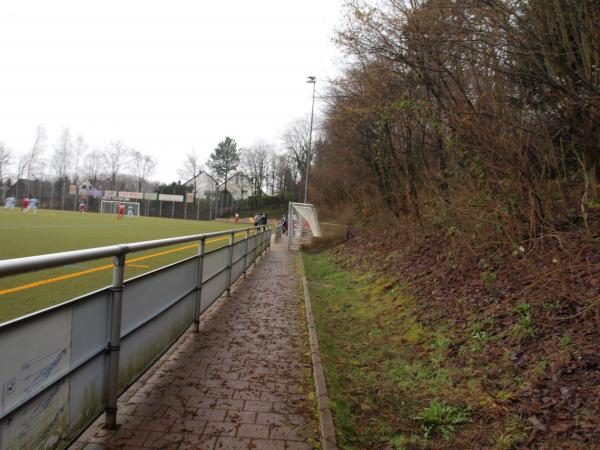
31	163
79	150
143	165
114	157
272	170
297	141
93	165
62	161
255	161
190	168
284	174
6	157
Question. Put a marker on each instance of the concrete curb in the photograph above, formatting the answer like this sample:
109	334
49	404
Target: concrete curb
328	441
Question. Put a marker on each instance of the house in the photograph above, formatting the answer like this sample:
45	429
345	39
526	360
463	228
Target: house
206	186
239	185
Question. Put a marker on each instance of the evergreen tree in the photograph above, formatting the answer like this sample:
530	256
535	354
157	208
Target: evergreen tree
224	160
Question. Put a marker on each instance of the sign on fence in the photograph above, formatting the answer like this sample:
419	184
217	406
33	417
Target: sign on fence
131	195
72	189
110	194
189	197
170	198
151	196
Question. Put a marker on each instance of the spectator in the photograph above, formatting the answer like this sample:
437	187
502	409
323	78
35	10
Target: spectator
284	225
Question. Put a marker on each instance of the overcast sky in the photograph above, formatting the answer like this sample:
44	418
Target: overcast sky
162	76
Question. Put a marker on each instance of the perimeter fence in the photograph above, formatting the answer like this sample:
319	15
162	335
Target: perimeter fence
63	366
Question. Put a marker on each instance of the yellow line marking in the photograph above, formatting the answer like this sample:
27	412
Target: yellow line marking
139	266
99	268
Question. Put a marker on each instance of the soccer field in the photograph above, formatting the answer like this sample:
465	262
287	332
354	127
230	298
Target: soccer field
56	231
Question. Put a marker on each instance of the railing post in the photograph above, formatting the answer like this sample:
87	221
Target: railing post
198	300
290	226
255	247
230	263
114	345
246	252
262	235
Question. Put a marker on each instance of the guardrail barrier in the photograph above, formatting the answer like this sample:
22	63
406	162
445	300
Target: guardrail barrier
62	366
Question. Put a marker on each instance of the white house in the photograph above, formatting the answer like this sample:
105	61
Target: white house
239	186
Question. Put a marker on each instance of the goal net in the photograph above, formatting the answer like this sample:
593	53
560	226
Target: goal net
111	207
303	225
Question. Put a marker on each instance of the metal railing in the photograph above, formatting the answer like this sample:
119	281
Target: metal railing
64	365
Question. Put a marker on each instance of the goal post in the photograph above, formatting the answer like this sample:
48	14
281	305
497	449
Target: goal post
111	207
303	225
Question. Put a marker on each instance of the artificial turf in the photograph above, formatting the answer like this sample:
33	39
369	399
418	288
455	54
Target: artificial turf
56	231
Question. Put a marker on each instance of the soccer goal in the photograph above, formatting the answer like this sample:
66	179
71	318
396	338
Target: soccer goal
111	206
303	225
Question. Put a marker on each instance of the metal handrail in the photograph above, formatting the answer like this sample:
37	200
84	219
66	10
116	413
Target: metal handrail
115	291
16	266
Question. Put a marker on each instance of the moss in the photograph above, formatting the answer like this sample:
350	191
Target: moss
381	362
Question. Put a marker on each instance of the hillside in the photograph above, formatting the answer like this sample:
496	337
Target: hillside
438	340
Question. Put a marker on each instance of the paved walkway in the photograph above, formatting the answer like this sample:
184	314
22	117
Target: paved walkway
242	382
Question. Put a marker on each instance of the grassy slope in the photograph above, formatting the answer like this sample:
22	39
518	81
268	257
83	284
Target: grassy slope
390	382
55	231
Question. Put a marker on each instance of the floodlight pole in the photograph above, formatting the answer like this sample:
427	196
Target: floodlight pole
313	81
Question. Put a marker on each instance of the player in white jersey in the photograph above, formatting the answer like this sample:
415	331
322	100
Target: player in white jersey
33	205
9	203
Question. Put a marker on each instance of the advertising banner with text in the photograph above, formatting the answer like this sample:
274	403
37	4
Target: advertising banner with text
131	195
170	198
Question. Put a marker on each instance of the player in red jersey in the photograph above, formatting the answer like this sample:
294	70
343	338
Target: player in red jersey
120	211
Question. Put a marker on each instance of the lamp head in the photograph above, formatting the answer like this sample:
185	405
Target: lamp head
311	79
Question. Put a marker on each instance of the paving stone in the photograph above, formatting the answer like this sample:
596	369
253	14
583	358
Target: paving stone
257	405
129	437
197	442
240	416
294	445
267	444
233	443
220	392
129	422
220	429
164	441
230	404
247	395
270	418
285	432
211	414
201	402
253	430
186	426
156	424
